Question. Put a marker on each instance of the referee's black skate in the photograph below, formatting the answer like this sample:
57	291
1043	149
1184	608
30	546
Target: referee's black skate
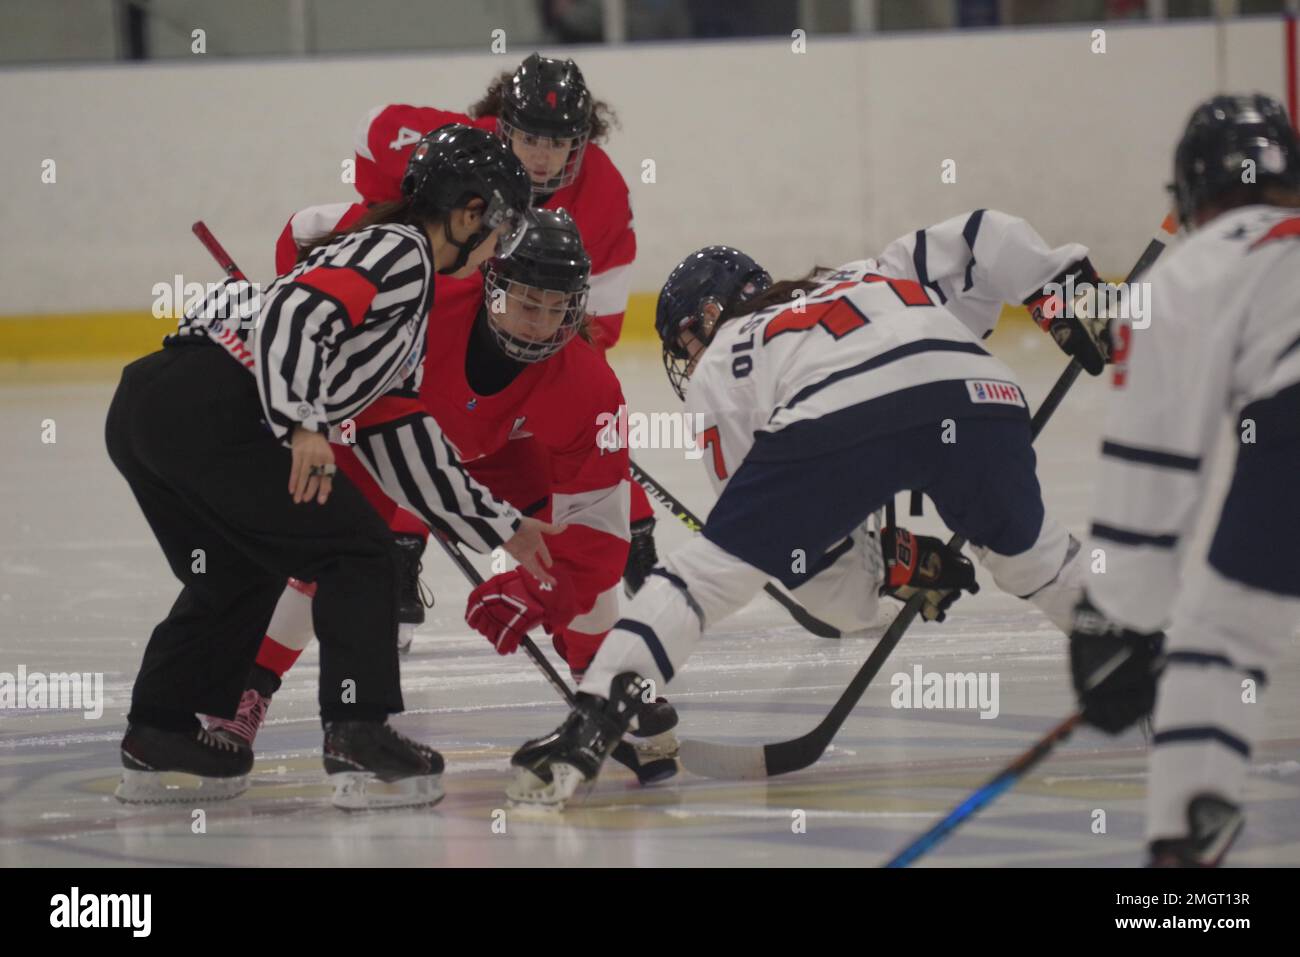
550	771
373	766
161	767
413	596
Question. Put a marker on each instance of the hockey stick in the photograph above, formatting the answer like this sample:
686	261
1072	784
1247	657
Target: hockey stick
218	252
669	501
624	753
987	793
1005	779
767	760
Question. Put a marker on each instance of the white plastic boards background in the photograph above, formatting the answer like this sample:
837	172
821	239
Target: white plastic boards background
821	156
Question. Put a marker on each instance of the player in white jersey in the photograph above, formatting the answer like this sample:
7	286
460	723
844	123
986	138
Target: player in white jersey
1223	337
821	399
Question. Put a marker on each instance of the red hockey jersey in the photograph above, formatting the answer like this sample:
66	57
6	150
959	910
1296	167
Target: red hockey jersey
597	200
551	417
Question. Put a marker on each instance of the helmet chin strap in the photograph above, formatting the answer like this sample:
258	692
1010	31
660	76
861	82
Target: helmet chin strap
467	247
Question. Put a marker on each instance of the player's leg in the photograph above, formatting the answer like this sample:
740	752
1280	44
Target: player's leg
991	496
1233	620
778	517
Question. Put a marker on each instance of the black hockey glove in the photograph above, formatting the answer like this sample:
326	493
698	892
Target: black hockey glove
922	563
1071	322
1114	669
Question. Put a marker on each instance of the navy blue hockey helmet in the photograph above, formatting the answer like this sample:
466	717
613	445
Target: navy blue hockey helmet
1223	134
717	275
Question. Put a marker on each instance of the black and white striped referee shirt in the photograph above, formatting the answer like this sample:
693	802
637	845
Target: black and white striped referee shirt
339	340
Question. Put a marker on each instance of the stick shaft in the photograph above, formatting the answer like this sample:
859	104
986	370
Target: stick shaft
218	251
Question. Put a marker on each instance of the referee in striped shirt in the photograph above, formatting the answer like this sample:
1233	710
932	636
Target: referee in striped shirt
240	401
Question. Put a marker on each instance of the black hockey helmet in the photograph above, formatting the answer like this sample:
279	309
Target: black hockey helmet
717	275
457	163
1223	134
550	259
548	98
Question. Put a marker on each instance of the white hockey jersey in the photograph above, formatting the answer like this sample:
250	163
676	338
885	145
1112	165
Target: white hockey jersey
1224	331
901	331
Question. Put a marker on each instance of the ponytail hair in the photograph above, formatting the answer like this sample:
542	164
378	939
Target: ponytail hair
779	292
380	214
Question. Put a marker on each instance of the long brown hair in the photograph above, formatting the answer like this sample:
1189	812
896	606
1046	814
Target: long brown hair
777	293
393	211
603	118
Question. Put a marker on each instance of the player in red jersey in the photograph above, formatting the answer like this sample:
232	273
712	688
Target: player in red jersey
545	111
531	408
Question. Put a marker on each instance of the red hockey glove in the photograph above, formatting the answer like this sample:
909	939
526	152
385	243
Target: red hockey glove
506	606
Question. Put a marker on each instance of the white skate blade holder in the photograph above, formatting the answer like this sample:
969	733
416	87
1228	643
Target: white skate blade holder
528	791
176	787
363	791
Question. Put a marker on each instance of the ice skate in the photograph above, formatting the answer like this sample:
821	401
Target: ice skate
551	771
243	727
653	730
1212	825
162	767
372	766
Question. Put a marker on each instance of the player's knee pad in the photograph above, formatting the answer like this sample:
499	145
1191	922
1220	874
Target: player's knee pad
1050	573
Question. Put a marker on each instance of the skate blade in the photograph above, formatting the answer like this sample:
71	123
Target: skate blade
528	791
362	791
657	747
176	787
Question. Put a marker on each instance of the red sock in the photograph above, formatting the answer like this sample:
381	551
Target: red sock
275	657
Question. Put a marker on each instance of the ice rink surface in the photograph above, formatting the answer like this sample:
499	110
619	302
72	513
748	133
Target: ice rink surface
82	583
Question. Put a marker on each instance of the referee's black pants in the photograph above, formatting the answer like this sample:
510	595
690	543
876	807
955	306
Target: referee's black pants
185	429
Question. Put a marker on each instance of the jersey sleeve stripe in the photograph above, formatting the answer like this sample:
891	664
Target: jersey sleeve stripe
969	233
922	269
